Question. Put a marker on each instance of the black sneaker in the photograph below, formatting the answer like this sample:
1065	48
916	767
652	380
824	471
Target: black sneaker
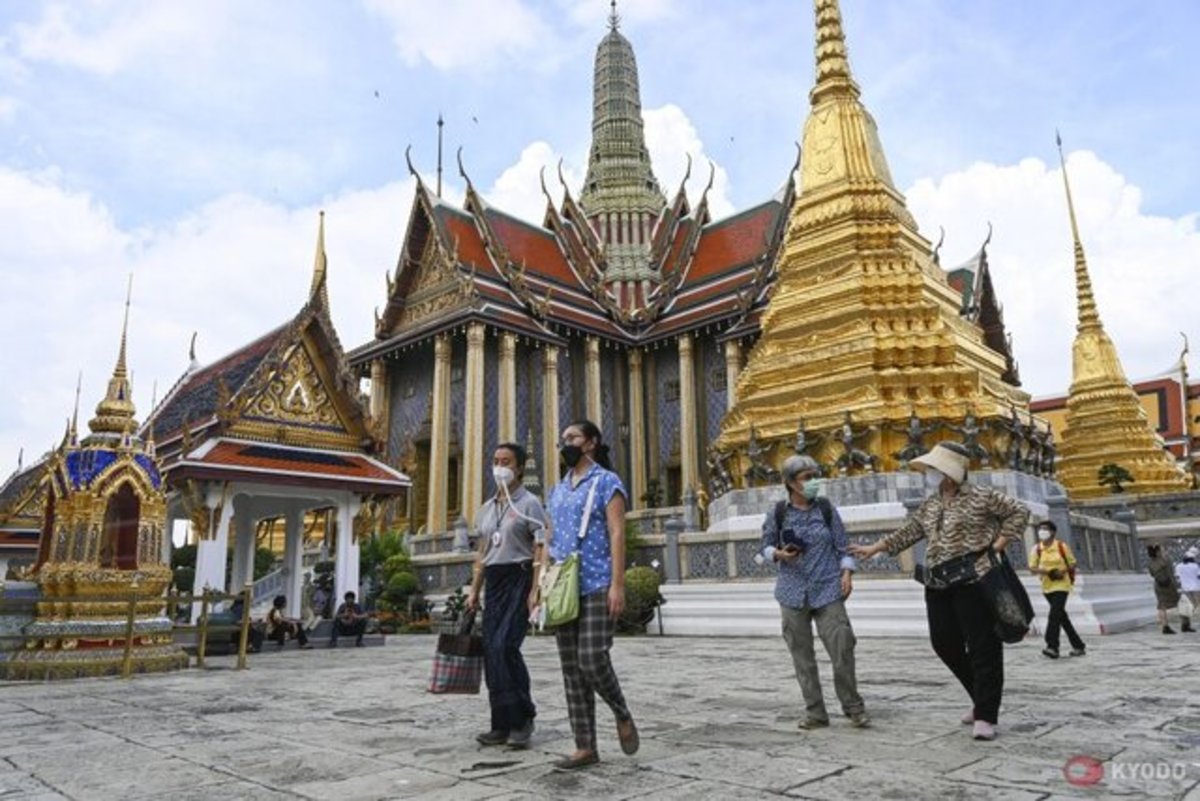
1168	630
521	738
493	737
1050	652
1079	652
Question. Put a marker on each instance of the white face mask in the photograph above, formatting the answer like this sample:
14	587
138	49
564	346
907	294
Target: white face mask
502	475
1044	534
933	479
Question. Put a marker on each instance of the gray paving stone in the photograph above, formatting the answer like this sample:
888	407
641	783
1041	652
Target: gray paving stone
717	719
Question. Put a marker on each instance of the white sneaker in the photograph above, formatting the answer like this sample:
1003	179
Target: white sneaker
983	730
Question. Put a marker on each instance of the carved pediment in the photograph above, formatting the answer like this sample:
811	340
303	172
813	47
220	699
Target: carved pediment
295	393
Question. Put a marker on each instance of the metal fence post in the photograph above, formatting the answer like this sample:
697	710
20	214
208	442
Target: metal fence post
202	634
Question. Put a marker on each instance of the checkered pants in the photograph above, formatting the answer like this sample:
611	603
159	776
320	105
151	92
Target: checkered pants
583	648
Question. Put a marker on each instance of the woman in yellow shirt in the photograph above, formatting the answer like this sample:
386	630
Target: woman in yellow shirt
1052	559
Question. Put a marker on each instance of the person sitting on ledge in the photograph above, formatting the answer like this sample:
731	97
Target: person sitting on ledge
350	619
280	627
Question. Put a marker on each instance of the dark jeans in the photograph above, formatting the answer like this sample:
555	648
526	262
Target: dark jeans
961	629
505	621
357	628
1058	619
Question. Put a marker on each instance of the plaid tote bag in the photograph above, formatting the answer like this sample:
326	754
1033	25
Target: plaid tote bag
458	661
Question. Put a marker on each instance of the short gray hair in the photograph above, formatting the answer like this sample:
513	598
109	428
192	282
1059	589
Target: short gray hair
795	465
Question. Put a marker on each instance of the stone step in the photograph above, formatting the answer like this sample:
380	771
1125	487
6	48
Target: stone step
1102	603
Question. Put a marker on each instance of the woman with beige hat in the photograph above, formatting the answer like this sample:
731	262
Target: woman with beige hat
960	522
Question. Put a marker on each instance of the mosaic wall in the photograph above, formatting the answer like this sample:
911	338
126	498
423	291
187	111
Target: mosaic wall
409	393
712	367
666	367
491	407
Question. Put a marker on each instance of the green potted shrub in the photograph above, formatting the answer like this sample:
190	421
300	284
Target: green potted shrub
641	599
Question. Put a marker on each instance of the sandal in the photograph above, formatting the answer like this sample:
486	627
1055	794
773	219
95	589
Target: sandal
627	733
577	762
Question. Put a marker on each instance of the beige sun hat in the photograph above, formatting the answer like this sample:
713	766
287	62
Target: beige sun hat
948	458
1192	552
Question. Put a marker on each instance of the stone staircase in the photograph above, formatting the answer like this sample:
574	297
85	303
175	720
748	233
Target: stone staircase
1103	603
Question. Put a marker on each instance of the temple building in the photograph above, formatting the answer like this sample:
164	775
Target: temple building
22	501
276	429
1105	422
640	312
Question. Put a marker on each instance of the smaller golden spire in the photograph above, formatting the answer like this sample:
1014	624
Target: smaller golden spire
73	436
1089	317
833	63
114	413
318	291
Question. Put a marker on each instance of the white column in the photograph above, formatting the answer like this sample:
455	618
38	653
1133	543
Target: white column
733	366
688	446
168	540
345	574
592	380
243	544
473	444
211	551
506	402
550	427
293	558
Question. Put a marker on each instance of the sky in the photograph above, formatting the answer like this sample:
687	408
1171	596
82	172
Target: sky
192	146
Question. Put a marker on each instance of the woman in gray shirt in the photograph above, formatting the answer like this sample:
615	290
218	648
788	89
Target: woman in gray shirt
511	527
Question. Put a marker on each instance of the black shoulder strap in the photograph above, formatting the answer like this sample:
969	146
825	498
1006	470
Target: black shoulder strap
780	508
826	512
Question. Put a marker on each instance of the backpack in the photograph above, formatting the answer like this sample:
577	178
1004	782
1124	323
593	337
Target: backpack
1062	552
781	507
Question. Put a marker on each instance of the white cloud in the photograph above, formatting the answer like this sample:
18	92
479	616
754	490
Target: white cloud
518	190
1142	266
104	37
670	138
8	108
591	14
230	270
459	34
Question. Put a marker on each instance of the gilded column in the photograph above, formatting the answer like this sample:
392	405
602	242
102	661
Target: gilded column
473	444
550	428
637	428
379	393
439	446
592	379
506	406
733	366
689	466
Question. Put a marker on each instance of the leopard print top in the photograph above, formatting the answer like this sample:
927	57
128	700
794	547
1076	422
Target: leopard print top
968	521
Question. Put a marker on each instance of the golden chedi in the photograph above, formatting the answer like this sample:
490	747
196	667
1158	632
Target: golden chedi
102	539
862	331
1106	423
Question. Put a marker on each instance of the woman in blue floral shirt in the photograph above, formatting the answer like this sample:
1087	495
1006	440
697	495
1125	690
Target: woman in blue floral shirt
587	509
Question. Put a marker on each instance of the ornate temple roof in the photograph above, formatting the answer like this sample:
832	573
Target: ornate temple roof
290	386
226	459
22	497
981	306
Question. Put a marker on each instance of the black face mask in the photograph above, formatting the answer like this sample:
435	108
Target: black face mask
571	454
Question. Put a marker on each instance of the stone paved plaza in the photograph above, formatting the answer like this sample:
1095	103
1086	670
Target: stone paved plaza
717	717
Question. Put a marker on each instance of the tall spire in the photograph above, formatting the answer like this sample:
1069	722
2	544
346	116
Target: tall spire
1105	422
319	291
614	21
621	197
833	63
73	436
1089	317
115	412
440	124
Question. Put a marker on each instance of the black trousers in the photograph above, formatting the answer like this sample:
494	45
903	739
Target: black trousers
288	628
1058	620
505	622
962	632
357	628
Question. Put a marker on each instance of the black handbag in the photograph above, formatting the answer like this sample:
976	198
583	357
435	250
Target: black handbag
953	572
1007	598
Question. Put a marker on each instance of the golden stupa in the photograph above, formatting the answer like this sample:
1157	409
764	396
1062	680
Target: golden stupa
862	332
1106	423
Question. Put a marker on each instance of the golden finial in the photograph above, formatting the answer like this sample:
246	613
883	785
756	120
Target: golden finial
318	290
1089	317
833	63
114	412
74	435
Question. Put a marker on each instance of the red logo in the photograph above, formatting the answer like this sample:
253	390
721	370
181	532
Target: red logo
1083	771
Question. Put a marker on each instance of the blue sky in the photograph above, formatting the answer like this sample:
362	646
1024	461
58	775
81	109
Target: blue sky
192	144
